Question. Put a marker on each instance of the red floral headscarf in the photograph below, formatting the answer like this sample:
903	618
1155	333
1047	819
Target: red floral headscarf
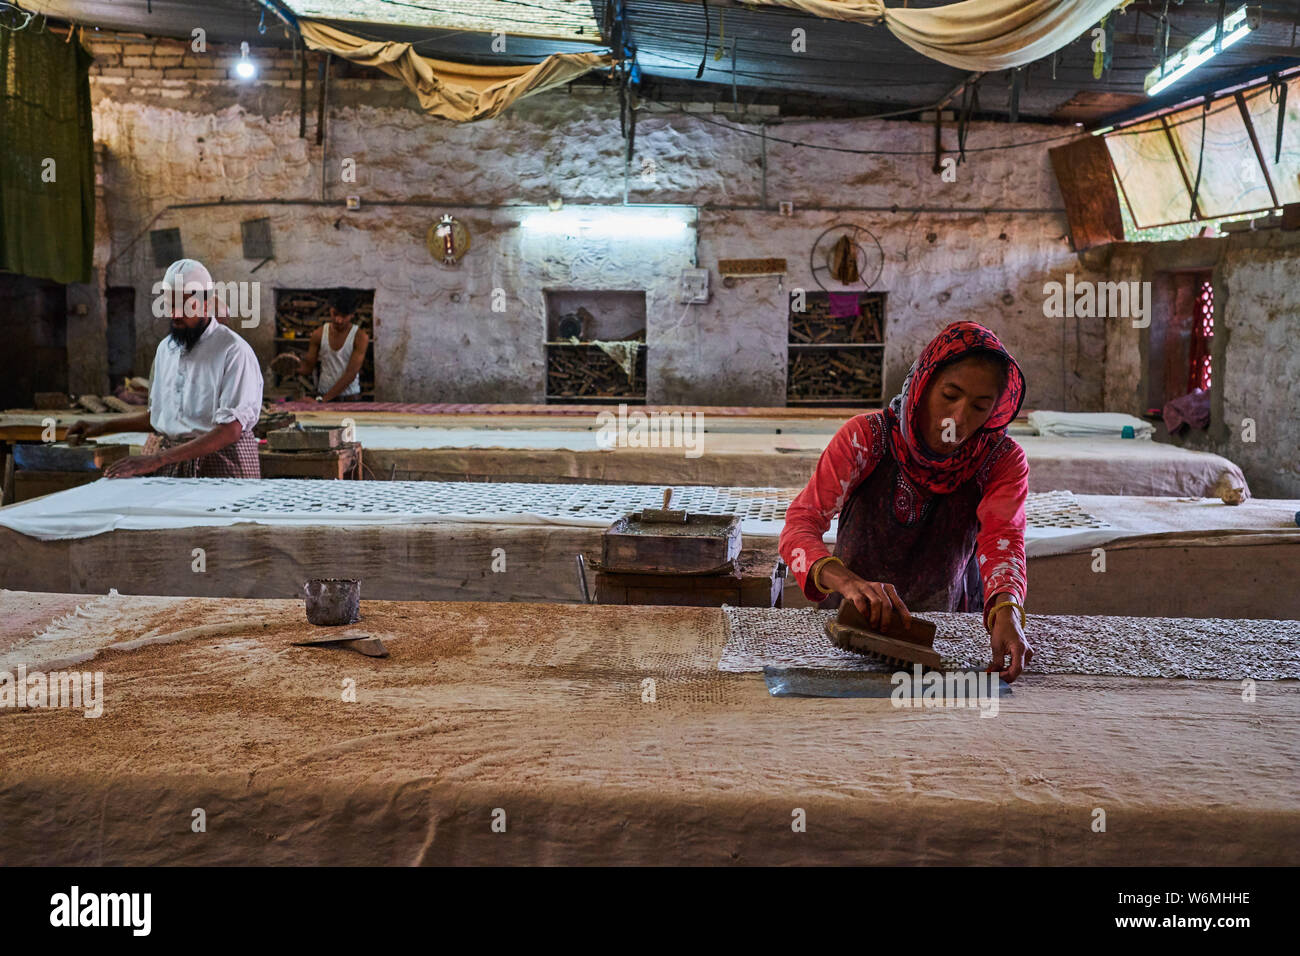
943	474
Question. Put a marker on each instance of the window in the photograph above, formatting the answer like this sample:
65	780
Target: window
1199	375
1182	335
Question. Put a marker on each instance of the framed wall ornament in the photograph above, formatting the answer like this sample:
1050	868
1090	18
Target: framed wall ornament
448	240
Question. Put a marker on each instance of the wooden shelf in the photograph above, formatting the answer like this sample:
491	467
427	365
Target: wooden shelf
836	360
870	401
580	371
836	345
597	399
574	345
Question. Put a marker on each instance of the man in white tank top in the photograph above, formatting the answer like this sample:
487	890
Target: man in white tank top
340	349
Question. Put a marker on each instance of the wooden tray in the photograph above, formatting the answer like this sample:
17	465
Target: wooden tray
307	438
703	543
756	580
60	456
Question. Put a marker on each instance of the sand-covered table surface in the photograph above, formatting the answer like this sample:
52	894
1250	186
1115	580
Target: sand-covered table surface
538	711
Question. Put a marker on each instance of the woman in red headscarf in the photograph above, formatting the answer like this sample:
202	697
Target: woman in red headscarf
930	495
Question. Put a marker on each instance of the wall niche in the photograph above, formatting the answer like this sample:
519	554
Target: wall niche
595	346
836	349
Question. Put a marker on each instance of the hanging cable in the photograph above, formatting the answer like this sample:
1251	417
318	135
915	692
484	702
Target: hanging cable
735	95
17	11
701	118
1200	162
1277	88
704	58
969	96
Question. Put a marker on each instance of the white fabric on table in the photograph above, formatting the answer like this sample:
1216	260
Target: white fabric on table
1088	424
1057	522
1124	466
154	503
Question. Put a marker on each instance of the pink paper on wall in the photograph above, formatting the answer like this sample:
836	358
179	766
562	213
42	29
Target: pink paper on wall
843	304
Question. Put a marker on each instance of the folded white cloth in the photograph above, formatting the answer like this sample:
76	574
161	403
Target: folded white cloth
1088	424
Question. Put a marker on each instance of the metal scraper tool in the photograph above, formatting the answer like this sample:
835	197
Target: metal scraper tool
362	644
895	644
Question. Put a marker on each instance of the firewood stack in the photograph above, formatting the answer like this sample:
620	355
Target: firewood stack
584	371
303	311
850	374
815	325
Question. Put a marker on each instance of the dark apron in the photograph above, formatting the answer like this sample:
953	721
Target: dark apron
921	543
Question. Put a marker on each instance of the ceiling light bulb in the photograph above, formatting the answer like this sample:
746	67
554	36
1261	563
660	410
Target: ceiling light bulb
245	69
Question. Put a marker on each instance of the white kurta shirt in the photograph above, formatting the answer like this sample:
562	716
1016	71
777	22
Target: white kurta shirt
216	382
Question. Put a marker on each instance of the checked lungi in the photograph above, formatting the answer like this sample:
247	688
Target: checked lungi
237	460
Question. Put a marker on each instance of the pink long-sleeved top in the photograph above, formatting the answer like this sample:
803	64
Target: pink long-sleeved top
852	455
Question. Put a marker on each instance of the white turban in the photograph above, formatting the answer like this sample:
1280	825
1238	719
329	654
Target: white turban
189	276
188	272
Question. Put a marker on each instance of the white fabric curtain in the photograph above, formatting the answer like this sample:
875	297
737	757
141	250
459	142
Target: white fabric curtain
980	35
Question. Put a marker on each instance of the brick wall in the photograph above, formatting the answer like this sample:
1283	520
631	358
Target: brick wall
129	56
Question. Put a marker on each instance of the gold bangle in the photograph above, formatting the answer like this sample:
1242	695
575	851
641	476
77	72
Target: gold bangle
1001	604
820	565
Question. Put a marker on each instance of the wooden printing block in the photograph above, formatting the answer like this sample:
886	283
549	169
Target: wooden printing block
49	400
877	645
920	632
851	631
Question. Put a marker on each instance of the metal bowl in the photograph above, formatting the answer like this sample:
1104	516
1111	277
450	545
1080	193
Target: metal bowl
333	601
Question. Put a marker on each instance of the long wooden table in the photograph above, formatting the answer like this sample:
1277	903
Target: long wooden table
599	735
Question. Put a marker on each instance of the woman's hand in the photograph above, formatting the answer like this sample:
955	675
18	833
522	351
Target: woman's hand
877	600
1007	639
134	465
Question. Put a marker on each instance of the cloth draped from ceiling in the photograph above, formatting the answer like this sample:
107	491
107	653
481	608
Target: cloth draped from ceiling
47	158
981	35
454	91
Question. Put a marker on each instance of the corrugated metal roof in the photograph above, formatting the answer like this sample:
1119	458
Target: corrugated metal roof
748	53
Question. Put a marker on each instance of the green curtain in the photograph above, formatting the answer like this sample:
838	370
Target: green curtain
47	211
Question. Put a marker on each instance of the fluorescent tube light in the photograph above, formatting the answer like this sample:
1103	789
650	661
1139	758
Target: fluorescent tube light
1236	26
614	223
